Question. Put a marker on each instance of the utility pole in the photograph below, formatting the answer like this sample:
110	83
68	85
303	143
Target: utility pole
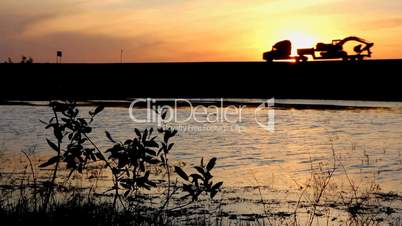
121	56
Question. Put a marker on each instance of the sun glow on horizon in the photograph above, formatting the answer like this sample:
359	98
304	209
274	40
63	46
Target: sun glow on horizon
299	39
305	32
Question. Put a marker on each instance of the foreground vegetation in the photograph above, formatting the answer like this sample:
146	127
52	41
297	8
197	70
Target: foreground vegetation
132	164
145	187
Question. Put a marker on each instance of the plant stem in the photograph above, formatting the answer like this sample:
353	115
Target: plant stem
168	195
33	177
50	189
115	180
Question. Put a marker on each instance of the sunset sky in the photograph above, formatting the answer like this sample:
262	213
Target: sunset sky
189	30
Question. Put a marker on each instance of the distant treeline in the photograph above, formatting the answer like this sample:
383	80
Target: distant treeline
24	60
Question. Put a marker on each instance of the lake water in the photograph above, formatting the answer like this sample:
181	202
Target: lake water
279	168
367	141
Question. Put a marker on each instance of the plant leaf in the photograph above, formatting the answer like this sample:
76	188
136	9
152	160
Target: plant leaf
181	173
163	116
152	144
99	156
200	169
196	177
138	133
109	137
52	145
217	186
145	135
213	193
97	110
150	151
51	161
170	147
211	164
152	184
163	160
58	133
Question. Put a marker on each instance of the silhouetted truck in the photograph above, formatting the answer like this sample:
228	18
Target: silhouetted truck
282	51
322	51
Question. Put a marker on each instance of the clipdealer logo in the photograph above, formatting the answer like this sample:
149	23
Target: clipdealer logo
266	108
264	113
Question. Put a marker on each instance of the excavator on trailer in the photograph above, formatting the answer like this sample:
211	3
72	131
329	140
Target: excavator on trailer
322	51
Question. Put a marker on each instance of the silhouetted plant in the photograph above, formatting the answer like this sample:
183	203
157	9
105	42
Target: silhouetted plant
163	153
136	156
200	182
26	60
130	162
67	124
133	158
9	61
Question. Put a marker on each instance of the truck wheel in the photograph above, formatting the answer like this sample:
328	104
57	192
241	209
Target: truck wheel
301	59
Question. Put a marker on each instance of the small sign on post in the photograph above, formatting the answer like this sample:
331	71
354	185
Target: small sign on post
59	55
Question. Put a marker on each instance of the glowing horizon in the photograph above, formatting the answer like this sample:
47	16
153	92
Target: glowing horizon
192	30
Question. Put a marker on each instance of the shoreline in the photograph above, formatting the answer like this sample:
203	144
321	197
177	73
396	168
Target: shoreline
253	103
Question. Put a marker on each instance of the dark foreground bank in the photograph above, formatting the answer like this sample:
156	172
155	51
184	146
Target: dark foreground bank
366	80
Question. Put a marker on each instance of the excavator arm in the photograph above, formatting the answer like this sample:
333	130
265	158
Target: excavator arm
357	49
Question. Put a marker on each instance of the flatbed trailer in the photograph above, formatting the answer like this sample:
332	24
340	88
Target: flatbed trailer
295	58
303	53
